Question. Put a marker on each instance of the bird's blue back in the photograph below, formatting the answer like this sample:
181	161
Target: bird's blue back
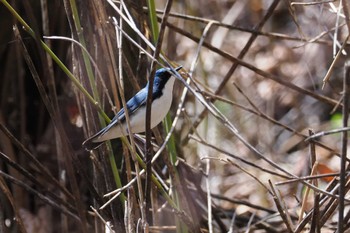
160	79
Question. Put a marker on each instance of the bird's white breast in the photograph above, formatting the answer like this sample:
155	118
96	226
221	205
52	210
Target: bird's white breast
160	107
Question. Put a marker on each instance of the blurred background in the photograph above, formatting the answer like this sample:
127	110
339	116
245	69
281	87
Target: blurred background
262	65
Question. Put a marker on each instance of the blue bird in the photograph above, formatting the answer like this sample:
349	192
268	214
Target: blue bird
161	101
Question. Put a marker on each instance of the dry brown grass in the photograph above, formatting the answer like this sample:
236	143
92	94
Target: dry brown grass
271	73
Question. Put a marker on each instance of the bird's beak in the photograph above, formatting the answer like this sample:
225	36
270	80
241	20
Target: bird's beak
178	68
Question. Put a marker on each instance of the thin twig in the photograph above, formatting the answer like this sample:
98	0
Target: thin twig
148	145
342	180
105	222
281	209
312	177
325	133
336	58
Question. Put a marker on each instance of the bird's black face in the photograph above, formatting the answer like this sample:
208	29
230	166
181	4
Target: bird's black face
161	78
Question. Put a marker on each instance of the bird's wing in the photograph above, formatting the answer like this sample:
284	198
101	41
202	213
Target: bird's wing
132	105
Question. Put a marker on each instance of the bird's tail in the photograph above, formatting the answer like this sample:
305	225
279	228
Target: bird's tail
90	144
